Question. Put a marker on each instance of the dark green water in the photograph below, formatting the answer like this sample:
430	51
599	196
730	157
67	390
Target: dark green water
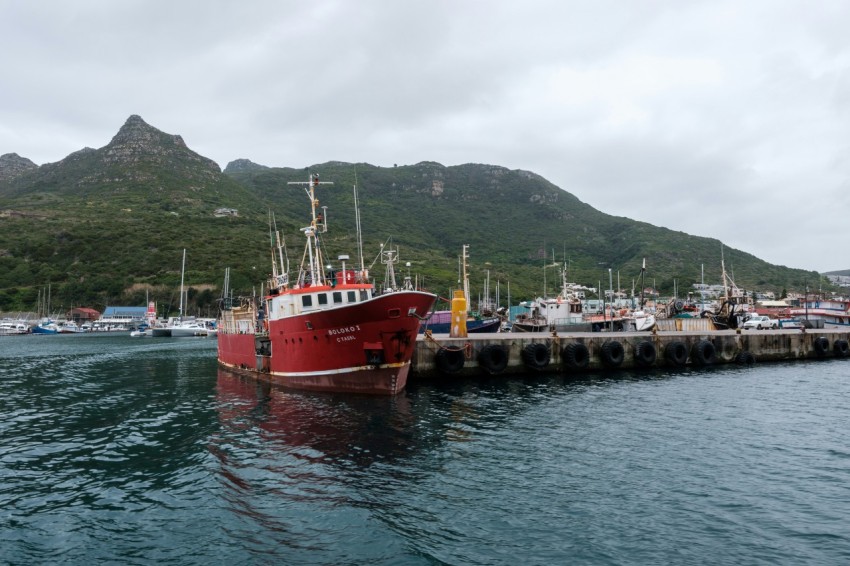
141	451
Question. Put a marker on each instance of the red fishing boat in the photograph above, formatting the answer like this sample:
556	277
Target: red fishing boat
327	330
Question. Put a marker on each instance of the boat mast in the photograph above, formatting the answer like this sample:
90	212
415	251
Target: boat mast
280	276
318	225
359	232
275	273
389	257
564	282
182	273
464	257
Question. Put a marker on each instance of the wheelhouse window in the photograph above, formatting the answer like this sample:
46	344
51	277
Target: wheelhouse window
323	298
306	301
337	297
364	295
352	296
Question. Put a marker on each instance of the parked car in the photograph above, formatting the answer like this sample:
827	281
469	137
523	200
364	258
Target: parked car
759	322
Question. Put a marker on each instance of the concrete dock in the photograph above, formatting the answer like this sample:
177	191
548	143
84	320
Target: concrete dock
520	353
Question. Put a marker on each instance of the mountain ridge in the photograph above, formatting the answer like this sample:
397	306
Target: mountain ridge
150	196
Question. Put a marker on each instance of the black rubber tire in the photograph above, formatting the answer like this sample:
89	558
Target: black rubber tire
703	353
612	354
676	353
575	356
841	348
645	354
821	345
536	356
493	358
745	358
449	361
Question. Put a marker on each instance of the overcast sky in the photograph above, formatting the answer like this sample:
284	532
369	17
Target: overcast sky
724	119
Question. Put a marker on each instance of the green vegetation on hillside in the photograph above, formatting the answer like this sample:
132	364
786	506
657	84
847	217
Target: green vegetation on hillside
108	226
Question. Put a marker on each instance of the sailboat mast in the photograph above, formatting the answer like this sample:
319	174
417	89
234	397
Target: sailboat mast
182	273
359	232
465	275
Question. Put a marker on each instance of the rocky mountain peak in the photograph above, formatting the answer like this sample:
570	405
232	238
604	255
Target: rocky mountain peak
240	165
13	165
139	141
137	136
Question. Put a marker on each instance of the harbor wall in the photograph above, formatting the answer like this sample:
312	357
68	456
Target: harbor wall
519	353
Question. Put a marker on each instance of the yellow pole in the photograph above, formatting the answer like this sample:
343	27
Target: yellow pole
459	309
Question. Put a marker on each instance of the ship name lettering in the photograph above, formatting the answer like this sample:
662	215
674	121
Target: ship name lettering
344	330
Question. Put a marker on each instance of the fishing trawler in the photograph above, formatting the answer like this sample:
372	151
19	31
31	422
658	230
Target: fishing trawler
326	330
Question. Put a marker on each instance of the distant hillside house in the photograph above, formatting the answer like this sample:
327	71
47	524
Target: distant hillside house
219	212
82	315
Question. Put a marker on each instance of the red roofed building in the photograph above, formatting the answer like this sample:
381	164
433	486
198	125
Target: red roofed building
82	315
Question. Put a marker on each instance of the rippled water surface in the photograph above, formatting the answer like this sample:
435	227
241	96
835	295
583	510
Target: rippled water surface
140	451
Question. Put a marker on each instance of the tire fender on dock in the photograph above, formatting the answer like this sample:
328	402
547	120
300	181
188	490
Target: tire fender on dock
536	356
704	353
745	358
821	345
493	358
575	356
449	360
612	354
645	354
676	353
841	348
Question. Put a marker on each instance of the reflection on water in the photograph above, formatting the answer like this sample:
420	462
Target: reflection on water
321	428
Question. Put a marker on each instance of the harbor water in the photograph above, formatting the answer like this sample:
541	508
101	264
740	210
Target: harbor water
142	451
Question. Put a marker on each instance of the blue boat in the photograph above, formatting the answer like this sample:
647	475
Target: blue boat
46	327
440	322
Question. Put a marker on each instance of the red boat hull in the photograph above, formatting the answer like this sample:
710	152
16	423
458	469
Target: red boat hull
357	348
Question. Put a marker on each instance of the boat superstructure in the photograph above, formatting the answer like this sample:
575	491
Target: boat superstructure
561	313
831	313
